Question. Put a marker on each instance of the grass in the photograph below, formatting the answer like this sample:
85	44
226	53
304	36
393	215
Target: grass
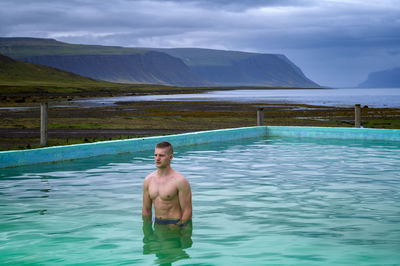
139	119
382	123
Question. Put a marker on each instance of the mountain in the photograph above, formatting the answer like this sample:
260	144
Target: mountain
232	68
150	67
25	47
6	60
23	77
383	79
179	66
17	71
110	63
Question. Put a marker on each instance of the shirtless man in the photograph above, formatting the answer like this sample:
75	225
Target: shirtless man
167	190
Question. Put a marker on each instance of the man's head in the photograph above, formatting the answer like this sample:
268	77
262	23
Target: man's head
163	154
167	145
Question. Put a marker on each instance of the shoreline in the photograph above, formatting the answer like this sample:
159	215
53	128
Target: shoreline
19	129
318	97
142	90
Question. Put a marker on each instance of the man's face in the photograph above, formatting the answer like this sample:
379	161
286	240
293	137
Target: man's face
162	157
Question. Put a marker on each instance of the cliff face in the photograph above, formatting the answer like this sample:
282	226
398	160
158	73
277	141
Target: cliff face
150	67
179	67
261	70
231	68
383	79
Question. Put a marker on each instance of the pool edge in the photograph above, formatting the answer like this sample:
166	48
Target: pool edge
335	133
17	158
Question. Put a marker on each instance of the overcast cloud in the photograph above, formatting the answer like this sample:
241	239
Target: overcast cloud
335	42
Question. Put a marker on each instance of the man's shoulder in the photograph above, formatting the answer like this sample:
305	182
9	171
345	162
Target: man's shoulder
150	176
178	175
180	179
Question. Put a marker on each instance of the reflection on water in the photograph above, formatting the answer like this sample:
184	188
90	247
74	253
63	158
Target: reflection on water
167	242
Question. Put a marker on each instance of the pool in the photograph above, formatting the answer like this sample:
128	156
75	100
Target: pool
259	201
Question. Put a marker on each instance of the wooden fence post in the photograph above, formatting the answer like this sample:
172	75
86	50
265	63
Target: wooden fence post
260	117
44	107
357	115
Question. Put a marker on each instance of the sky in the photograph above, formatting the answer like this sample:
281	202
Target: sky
336	43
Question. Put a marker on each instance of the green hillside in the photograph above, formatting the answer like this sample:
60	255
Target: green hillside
19	77
26	47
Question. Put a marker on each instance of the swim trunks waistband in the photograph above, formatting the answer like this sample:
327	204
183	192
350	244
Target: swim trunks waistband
166	221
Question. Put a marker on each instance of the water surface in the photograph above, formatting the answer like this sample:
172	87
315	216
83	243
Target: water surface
382	97
256	202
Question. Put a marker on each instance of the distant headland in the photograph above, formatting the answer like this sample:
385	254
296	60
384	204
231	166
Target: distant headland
176	67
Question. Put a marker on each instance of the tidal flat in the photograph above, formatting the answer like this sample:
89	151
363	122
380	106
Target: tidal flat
20	119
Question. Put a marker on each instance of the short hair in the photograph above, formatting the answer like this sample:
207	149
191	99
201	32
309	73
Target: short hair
165	144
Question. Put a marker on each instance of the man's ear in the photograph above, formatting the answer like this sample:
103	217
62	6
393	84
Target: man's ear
171	156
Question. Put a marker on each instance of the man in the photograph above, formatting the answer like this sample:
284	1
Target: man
167	190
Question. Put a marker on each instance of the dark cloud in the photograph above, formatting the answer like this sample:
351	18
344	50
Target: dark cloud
335	42
245	4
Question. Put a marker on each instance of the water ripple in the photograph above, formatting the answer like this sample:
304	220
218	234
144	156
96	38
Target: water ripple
276	201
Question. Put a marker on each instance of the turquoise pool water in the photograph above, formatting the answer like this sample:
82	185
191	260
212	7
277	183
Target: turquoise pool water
256	202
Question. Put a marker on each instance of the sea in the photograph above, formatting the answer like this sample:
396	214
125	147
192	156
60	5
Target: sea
344	97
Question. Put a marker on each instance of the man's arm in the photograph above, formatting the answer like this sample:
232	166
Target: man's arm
147	202
185	200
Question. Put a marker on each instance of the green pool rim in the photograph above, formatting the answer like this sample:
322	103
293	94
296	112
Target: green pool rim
71	152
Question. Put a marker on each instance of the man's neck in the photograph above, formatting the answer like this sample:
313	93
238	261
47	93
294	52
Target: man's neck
164	171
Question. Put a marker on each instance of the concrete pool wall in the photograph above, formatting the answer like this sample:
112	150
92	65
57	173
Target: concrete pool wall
61	153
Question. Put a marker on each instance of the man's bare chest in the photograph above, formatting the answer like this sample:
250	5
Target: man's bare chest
164	190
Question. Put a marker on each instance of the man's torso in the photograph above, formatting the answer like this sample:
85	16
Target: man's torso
164	193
